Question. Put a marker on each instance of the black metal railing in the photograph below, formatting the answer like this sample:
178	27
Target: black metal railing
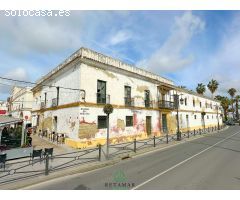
42	105
166	104
129	101
137	145
148	103
54	102
103	98
45	164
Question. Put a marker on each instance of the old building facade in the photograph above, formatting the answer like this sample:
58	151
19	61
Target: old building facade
3	108
70	100
20	103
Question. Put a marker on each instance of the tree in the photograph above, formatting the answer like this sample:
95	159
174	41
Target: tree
213	86
225	102
201	88
232	92
237	98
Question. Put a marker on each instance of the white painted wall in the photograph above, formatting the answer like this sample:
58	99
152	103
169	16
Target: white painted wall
115	85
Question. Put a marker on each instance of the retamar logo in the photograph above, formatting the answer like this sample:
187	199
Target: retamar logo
120	181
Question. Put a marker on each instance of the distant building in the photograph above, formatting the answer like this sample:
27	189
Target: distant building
20	103
70	100
3	108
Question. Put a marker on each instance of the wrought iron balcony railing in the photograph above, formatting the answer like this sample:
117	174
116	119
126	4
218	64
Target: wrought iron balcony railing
54	102
103	98
43	105
129	101
148	103
166	104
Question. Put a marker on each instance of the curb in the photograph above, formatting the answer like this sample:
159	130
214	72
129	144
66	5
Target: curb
97	165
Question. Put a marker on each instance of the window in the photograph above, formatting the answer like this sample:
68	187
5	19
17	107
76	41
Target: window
195	116
102	122
200	104
147	98
127	91
129	121
57	96
193	102
45	98
101	91
185	100
207	117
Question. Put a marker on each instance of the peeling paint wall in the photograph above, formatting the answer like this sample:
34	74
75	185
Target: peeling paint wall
115	83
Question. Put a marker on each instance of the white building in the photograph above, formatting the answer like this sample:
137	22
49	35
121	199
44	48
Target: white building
3	108
20	103
70	100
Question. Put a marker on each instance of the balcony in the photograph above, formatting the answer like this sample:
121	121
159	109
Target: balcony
129	101
166	104
42	105
103	98
148	104
54	102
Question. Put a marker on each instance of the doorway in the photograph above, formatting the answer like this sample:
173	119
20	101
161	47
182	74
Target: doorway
164	123
55	123
187	119
149	125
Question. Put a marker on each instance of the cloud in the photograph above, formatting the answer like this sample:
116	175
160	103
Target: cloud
170	56
18	73
120	37
24	35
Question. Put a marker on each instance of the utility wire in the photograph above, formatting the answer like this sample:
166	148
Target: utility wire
28	82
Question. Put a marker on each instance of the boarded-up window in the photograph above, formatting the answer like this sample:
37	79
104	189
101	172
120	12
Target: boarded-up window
102	122
129	120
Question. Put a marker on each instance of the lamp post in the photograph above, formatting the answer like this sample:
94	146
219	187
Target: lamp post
108	109
217	107
176	102
203	120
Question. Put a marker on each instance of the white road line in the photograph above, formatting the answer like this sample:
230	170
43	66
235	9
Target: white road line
182	162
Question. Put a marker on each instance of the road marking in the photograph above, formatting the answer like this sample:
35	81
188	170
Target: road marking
51	181
182	162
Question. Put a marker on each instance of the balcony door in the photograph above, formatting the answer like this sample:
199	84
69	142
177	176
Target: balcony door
149	125
101	91
127	91
164	123
147	98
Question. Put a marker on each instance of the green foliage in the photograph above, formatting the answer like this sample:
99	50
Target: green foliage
232	92
108	109
212	86
201	88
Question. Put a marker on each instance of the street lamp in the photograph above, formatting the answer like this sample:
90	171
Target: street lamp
217	107
108	109
176	102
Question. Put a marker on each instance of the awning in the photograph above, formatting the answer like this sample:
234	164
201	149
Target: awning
7	120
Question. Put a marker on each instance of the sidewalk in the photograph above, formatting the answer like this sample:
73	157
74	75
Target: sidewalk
80	161
41	143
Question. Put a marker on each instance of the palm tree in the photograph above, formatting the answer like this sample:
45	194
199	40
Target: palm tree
237	98
213	86
218	97
225	102
201	88
232	92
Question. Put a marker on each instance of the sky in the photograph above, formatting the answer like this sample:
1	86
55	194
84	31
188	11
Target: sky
188	47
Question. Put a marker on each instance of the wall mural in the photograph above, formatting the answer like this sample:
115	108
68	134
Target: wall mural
88	128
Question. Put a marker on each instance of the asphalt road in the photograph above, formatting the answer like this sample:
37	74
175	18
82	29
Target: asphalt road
211	162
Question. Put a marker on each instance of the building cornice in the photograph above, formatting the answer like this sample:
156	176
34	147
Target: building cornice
85	53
